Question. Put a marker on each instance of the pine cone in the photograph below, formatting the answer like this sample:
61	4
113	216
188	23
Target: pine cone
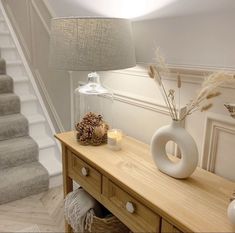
92	130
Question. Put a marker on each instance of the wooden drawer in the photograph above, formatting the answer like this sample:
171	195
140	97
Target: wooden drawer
88	177
166	227
131	212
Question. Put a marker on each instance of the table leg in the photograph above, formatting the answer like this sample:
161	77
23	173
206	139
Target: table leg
67	181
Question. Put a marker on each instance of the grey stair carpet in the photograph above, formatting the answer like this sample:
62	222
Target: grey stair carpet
17	151
21	181
21	174
2	66
9	104
12	126
6	84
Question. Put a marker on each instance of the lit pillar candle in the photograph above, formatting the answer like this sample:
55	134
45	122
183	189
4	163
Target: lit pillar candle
115	139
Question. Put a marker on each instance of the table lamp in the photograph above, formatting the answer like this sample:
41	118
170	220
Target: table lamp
91	44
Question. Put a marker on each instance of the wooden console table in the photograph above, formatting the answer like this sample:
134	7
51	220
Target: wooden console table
128	183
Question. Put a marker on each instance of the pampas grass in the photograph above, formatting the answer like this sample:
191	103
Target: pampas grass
206	107
201	101
207	92
156	76
179	84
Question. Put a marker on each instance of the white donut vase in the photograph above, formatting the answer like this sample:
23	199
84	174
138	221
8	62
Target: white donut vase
189	153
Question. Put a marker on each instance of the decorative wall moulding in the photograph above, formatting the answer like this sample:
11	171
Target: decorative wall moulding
189	74
35	7
135	100
18	31
50	9
49	101
215	124
141	102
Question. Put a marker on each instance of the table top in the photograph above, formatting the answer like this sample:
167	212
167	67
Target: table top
196	204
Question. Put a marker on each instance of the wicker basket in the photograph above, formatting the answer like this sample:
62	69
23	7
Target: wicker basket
109	224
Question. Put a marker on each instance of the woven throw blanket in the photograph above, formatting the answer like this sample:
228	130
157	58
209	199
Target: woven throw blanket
79	209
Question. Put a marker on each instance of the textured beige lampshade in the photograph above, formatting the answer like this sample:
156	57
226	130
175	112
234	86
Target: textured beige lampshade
91	44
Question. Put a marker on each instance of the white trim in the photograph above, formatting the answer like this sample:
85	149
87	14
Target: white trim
140	102
28	70
55	181
23	42
188	74
50	9
41	17
196	69
135	100
71	100
49	101
215	123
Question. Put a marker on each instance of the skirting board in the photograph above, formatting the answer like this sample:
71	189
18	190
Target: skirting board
56	180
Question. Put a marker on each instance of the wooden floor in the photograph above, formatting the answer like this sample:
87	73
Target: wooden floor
43	212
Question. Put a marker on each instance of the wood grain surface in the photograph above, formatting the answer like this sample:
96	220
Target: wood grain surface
197	204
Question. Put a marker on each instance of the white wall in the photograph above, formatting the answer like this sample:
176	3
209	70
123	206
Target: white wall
200	41
68	8
196	40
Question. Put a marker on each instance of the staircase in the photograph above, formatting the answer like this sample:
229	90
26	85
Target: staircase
21	174
27	144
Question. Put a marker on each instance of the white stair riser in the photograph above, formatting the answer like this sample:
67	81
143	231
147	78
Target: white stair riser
44	153
3	26
5	40
23	88
9	54
51	162
38	130
15	70
45	143
17	79
30	108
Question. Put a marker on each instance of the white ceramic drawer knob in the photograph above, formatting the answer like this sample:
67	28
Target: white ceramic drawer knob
130	207
85	171
231	211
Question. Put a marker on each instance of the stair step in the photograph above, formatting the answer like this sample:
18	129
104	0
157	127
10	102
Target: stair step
9	52
6	84
21	79
37	118
23	88
21	181
30	107
3	25
25	98
9	104
5	38
2	66
4	32
17	151
15	68
12	126
46	142
13	62
7	46
52	164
